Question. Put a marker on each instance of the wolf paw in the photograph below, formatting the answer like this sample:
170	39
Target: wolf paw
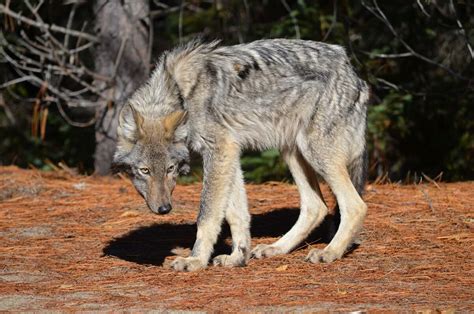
187	264
316	256
229	260
266	250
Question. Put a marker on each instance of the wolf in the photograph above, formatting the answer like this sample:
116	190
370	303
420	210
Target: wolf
300	97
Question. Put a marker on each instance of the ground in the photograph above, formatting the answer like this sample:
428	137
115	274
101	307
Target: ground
85	243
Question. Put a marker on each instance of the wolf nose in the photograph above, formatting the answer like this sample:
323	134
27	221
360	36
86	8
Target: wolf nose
164	209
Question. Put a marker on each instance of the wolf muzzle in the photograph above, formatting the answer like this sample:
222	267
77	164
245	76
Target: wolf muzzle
162	210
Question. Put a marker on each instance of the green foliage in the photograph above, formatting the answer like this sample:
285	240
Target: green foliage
264	166
62	143
387	126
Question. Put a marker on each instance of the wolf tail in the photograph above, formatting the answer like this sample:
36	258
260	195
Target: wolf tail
358	171
357	167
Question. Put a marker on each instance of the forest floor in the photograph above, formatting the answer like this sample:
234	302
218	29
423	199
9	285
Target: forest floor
84	243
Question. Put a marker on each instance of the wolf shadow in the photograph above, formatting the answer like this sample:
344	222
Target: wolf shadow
152	244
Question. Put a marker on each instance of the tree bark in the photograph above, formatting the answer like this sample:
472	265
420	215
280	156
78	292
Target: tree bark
123	54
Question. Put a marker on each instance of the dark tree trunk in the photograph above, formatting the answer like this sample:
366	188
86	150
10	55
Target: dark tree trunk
124	54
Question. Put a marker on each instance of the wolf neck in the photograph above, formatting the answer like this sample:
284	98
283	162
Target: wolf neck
159	97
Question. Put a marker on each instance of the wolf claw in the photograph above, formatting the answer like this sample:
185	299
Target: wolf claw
265	250
316	256
229	261
187	264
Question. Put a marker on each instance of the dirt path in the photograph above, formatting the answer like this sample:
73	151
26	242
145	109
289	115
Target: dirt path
83	243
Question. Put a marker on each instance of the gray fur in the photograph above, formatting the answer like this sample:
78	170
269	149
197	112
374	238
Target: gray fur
301	97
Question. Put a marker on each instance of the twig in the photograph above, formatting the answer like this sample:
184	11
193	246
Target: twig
74	123
70	101
160	4
349	42
159	13
293	19
388	56
422	8
15	81
388	273
18	97
180	21
307	244
38	6
150	39
69	23
33	50
16	64
66	37
430	180
427	198
378	13
52	27
81	48
247	16
119	56
392	85
333	23
461	29
439	177
10	116
63	69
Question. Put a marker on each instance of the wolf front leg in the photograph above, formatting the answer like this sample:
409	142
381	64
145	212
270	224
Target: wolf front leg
238	217
221	166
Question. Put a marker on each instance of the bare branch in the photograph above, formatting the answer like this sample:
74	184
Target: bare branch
150	38
44	26
71	102
461	29
38	6
160	4
69	23
8	113
378	13
293	19
16	81
70	121
180	22
422	8
389	84
53	59
16	64
159	13
333	23
388	56
119	55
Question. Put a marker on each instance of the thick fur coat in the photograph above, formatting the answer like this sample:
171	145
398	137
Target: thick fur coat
301	97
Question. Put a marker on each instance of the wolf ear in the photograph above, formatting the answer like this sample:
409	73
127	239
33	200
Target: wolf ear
172	121
130	123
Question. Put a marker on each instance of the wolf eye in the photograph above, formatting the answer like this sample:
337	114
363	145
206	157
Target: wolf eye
144	170
171	168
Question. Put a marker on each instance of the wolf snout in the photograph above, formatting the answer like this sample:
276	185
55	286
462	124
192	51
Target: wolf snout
163	209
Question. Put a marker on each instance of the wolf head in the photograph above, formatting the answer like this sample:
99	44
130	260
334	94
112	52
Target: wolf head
152	151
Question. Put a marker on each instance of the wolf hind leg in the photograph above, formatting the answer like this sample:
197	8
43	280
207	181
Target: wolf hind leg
238	218
313	208
352	208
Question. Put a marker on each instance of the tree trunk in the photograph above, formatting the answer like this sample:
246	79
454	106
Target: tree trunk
123	54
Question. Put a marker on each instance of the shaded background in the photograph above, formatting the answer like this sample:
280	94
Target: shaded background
417	57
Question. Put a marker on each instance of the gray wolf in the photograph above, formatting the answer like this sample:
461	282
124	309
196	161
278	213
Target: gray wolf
301	97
